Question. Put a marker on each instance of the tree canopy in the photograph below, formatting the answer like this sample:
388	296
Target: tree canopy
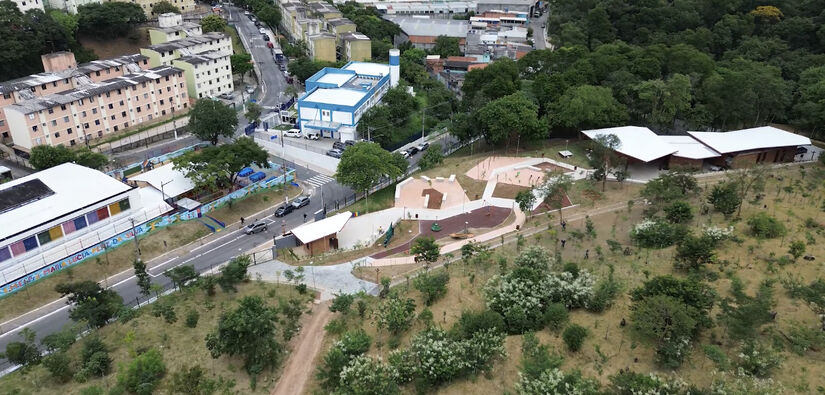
241	63
363	164
214	23
217	167
163	7
446	46
110	19
46	156
509	119
210	119
91	303
247	331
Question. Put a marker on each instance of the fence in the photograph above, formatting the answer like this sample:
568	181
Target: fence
22	277
157	133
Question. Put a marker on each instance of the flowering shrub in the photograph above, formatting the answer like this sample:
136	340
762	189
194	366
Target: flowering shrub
741	383
758	360
656	234
396	314
632	383
717	234
438	358
556	382
368	376
351	345
406	368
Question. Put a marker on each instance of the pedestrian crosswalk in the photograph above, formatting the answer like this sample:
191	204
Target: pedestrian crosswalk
318	180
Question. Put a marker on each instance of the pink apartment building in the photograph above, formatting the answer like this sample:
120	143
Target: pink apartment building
61	74
95	109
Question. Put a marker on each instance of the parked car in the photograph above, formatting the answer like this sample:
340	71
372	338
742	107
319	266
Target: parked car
258	24
300	201
226	96
412	150
423	146
349	143
312	135
261	30
339	145
265	37
250	89
335	153
292	133
284	210
282	66
257	226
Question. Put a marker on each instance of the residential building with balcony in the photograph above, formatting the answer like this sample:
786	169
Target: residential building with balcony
208	74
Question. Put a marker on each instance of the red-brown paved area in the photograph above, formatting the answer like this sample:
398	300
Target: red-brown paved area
485	217
545	207
435	198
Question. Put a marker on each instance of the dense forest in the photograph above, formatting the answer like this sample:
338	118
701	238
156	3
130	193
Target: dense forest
671	65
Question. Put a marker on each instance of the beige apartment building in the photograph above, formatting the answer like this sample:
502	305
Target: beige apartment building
322	47
171	27
165	53
208	74
96	109
62	73
185	6
356	47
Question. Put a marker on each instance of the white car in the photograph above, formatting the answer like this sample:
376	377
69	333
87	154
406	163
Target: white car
250	89
312	136
262	30
292	133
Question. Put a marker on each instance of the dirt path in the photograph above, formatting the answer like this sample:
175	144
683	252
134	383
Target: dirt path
299	364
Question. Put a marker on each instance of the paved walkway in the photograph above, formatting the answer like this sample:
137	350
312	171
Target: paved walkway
485	217
327	279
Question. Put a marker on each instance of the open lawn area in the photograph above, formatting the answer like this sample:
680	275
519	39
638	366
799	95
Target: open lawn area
121	258
181	344
601	243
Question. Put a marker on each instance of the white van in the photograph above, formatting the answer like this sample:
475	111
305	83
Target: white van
293	133
313	135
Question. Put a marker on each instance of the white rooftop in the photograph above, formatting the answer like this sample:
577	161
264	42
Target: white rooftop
690	148
335	78
373	69
636	142
315	230
174	181
750	139
340	96
74	187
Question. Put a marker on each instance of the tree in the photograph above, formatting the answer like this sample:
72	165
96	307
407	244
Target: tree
26	37
210	119
368	376
144	282
291	91
433	286
604	147
304	67
810	108
500	78
247	331
143	374
797	249
670	186
725	197
694	252
214	23
511	118
679	212
23	353
163	7
342	303
742	314
213	168
270	15
110	19
180	275
425	250
667	323
446	46
253	112
554	191
46	156
585	107
362	166
241	63
525	199
92	303
399	161
663	100
90	159
574	336
234	272
395	314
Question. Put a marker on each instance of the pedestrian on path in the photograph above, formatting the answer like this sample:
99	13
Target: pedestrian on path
305	217
564	226
563	242
586	254
242	221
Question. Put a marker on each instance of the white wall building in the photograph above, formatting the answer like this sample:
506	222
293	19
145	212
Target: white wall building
165	53
208	74
25	5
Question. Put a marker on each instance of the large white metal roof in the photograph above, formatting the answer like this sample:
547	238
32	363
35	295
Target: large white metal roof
371	69
335	78
75	187
174	181
750	139
690	148
340	96
636	142
315	230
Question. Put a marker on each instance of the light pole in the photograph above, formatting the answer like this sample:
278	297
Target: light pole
161	189
312	266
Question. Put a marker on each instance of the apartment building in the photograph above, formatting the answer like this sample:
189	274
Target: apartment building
339	26
324	10
25	5
62	73
98	108
356	47
171	27
322	47
208	74
185	6
204	59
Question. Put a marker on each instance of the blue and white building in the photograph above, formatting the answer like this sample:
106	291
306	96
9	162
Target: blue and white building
335	99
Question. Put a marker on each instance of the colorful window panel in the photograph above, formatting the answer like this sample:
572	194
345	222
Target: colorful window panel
5	253
114	208
92	217
68	227
19	248
56	232
30	243
102	213
124	204
44	237
80	223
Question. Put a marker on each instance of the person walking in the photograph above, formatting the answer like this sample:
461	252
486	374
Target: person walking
563	242
242	221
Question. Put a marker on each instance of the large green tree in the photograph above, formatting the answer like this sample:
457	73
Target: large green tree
363	164
510	119
270	15
27	36
214	23
500	78
210	119
661	101
241	63
46	156
249	332
217	167
163	7
110	19
586	107
446	46
91	303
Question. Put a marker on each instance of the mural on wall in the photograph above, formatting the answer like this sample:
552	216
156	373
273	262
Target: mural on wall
146	227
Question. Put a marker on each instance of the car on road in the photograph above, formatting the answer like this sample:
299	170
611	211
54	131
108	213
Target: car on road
265	37
247	13
250	89
258	24
339	145
312	135
412	150
257	226
423	146
292	133
282	66
349	143
226	96
335	153
284	210
300	201
261	30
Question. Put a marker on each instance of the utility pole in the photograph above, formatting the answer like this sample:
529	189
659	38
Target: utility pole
134	233
161	189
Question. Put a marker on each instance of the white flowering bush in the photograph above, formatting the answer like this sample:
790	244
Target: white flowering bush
556	382
758	360
740	383
439	358
657	234
368	376
572	291
717	234
631	383
404	364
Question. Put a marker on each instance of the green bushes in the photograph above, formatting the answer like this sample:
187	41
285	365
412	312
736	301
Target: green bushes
472	322
351	345
143	373
679	212
192	318
574	336
433	286
657	234
555	316
763	226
